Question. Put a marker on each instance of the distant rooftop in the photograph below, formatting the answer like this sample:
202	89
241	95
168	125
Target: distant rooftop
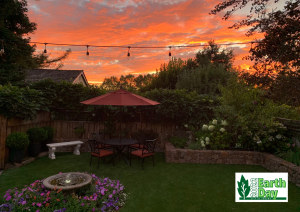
34	75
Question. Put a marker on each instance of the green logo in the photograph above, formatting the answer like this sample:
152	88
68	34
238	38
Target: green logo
244	188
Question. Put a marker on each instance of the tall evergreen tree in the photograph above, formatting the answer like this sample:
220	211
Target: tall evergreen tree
18	54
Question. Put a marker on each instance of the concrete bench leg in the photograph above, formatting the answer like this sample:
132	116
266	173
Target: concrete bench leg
76	150
52	152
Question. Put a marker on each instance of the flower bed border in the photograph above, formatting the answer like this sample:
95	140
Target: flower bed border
268	161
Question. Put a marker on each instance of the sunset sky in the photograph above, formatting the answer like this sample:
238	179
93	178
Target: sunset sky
131	23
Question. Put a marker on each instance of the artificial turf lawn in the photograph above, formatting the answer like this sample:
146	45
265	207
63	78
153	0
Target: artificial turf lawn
165	187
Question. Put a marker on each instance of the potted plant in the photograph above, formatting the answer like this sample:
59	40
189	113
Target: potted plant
36	136
49	139
79	131
17	142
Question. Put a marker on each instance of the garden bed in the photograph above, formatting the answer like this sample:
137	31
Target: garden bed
266	160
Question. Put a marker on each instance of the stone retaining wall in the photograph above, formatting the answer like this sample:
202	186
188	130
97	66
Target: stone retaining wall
266	160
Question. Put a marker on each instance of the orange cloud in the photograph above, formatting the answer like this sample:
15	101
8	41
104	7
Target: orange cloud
130	23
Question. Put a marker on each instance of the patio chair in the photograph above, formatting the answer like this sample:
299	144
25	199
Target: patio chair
140	138
147	151
99	137
98	152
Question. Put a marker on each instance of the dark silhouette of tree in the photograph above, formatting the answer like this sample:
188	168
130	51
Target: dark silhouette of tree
18	54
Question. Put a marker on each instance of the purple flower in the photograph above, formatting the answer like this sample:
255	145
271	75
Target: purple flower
121	188
110	196
255	103
82	204
93	209
24	202
8	198
114	191
102	191
33	204
39	204
42	194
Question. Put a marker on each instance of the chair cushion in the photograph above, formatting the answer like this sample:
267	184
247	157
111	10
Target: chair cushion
103	153
140	153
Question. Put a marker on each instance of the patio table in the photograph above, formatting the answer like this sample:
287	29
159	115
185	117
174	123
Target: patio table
119	146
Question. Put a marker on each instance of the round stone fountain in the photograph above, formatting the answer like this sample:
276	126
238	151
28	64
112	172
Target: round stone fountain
68	182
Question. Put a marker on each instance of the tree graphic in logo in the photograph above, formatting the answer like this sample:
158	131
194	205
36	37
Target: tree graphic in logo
244	188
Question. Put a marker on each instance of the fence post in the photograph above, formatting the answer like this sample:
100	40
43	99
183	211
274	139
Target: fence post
3	126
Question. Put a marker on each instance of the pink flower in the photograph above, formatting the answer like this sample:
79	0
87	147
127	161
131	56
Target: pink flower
33	204
114	191
60	173
294	144
39	204
8	198
102	192
121	188
82	204
110	196
38	211
42	194
24	202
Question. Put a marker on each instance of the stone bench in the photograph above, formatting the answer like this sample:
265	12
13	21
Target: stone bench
52	147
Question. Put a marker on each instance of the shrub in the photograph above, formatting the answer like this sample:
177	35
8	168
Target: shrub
37	134
50	132
215	135
178	142
178	106
23	103
17	140
290	155
195	146
102	195
79	130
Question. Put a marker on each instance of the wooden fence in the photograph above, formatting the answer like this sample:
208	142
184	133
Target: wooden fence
7	126
65	129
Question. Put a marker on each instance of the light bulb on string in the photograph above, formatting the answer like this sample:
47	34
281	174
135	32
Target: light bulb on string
170	54
128	54
45	50
87	50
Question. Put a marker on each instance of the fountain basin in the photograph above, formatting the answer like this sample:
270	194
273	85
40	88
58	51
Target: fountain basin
67	181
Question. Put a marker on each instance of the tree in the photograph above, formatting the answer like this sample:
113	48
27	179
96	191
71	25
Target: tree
203	79
128	82
215	55
281	29
18	54
212	56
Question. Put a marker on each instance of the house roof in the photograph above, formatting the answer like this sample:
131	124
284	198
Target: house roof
34	75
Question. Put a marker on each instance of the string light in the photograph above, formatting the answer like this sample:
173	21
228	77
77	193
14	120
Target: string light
139	47
128	54
45	51
87	50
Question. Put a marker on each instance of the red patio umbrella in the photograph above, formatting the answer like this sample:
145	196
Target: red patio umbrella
120	98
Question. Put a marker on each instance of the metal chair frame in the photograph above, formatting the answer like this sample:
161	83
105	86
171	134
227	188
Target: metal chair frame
94	144
149	148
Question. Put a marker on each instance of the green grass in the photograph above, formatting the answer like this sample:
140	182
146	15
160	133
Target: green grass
165	187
